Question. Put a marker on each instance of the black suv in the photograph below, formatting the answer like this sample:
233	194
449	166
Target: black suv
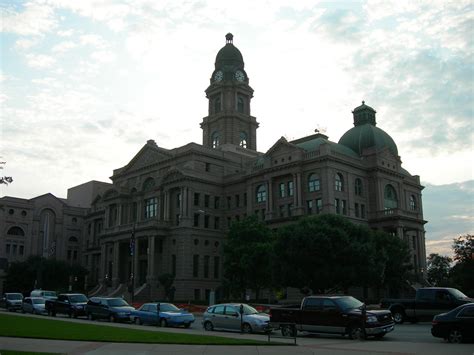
12	301
114	309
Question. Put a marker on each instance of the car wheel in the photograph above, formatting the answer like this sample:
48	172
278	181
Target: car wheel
246	328
163	322
208	326
112	318
398	316
138	321
455	336
288	331
69	314
379	336
355	332
187	325
74	314
90	316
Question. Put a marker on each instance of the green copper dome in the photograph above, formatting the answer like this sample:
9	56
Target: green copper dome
229	55
365	134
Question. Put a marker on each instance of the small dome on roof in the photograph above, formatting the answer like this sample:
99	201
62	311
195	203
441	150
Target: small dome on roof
229	55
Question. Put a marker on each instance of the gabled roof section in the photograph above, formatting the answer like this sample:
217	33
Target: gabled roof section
148	155
48	196
280	144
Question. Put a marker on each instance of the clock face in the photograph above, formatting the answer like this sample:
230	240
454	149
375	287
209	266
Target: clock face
239	75
218	76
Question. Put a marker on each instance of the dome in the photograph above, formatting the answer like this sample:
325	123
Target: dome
365	134
229	55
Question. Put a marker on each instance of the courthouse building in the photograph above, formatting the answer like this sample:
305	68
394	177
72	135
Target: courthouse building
179	203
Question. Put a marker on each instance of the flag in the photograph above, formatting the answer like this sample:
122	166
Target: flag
132	242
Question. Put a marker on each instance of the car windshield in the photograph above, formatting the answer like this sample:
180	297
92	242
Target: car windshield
78	299
15	296
117	302
348	302
38	301
249	309
49	294
458	294
167	307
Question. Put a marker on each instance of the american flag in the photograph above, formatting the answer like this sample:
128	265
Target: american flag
132	242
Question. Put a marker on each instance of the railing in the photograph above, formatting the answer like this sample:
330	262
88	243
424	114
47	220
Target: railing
393	212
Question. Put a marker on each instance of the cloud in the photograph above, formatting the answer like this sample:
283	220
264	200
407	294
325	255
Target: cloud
64	47
40	61
35	19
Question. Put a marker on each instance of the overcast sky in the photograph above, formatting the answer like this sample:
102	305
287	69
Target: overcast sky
84	84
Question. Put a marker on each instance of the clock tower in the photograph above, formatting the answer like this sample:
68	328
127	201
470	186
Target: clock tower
229	94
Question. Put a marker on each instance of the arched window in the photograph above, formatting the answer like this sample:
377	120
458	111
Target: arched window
72	240
240	104
243	140
217	105
149	184
358	187
261	193
413	204
215	139
314	183
16	231
390	197
339	182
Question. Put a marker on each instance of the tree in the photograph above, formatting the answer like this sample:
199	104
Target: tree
438	269
167	280
462	273
247	257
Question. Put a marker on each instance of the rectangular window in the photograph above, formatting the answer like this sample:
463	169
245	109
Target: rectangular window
216	223
362	211
178	200
69	254
237	200
208	167
281	210
229	201
216	202
196	220
337	206
206	266
7	249
21	250
356	210
309	206
74	255
207	200
343	207
178	217
245	199
216	267
282	189
319	205
197	294
197	197
229	222
206	221
290	188
290	209
14	249
113	214
151	207
195	265
173	265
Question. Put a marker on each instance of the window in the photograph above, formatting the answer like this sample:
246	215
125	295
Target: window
319	205
337	205
216	267
413	206
195	265
339	182
217	104
282	210
178	200
197	197
362	211
16	231
356	210
216	223
243	140
290	188
390	197
314	183
215	139
229	202
216	202
21	250
206	266
282	189
467	312
173	265
245	199
208	167
309	206
343	207
240	104
196	220
151	207
206	221
261	194
237	200
290	209
207	200
358	187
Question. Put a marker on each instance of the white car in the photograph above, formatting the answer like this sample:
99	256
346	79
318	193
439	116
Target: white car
34	305
235	316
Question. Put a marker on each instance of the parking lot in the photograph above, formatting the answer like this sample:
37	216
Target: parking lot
405	339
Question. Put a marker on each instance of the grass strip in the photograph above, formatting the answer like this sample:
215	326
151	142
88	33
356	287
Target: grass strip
32	327
16	352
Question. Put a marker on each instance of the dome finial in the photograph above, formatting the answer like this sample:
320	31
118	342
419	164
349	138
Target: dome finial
363	102
229	38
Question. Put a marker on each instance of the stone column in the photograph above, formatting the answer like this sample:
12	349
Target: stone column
115	264
166	206
103	262
135	262
151	277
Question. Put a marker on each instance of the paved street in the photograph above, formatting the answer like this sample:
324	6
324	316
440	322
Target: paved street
405	339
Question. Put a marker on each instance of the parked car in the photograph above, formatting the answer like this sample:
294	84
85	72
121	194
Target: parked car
169	315
428	302
34	305
331	315
455	326
235	316
50	295
11	301
71	304
113	309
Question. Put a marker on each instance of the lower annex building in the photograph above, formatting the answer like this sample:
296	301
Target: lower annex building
179	203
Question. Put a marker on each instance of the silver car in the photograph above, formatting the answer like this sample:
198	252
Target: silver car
34	305
235	316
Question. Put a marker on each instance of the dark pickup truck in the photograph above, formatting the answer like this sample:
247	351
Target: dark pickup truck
72	304
331	315
428	302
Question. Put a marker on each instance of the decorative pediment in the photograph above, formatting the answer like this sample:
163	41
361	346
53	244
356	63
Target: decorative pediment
171	175
282	146
148	155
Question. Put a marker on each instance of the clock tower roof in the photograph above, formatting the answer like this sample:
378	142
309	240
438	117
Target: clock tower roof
229	56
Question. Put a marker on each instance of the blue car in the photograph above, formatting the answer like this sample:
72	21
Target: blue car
169	315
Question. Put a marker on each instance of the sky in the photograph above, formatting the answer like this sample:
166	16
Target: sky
84	84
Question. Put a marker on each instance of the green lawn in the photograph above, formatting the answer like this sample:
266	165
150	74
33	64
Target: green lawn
32	327
14	352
